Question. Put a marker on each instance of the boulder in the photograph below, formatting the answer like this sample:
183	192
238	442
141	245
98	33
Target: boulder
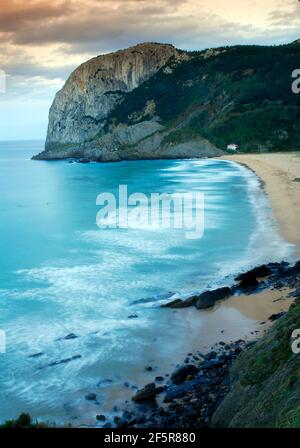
180	374
148	392
259	271
208	298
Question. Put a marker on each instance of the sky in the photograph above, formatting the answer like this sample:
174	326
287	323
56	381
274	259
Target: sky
41	42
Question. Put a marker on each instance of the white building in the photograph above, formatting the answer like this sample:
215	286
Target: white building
232	147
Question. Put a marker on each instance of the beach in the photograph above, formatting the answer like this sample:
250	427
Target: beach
280	175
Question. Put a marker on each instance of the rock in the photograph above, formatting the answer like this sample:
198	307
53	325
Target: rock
64	361
91	397
247	281
259	271
208	298
70	336
36	355
106	79
297	179
159	378
213	354
149	392
133	316
177	303
100	418
297	266
148	368
180	374
274	317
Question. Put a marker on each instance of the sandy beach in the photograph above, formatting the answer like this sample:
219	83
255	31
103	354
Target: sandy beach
280	174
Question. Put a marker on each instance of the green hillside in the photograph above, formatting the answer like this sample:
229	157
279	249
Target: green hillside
236	94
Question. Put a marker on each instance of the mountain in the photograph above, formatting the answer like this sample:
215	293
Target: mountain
155	101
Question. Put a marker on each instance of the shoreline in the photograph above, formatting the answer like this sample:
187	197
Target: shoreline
260	305
279	174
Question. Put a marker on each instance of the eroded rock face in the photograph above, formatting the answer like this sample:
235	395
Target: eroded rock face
94	88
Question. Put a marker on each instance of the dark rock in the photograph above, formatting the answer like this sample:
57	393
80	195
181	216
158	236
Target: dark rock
159	378
247	281
36	355
274	317
177	303
149	392
191	301
91	397
208	365
208	298
211	355
107	425
148	368
133	316
100	418
70	336
64	361
297	266
180	374
297	179
260	271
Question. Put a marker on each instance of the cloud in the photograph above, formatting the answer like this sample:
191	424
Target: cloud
41	42
286	17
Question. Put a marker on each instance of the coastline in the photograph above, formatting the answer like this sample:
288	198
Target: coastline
251	313
277	179
277	172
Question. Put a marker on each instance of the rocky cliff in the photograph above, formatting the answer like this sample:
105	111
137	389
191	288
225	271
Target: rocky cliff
94	89
155	101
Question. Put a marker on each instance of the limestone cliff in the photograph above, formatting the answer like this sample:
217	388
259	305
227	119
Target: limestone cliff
94	88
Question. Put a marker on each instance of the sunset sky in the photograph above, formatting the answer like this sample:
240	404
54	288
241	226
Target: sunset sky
42	42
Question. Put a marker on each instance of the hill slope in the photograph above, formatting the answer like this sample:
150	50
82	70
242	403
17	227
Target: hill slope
183	104
265	390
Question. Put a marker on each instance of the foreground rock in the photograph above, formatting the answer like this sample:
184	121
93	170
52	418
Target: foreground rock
208	298
180	375
190	396
272	275
149	392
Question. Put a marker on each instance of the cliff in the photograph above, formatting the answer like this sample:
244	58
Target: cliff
155	101
96	87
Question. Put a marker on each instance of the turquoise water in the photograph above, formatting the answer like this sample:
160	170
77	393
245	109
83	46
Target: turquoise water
60	274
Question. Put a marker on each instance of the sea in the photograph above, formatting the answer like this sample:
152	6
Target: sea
80	306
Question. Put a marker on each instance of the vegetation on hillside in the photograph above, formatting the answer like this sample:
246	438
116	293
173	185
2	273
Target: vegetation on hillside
266	381
238	94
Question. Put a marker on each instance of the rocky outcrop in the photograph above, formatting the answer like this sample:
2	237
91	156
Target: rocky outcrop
94	88
78	126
